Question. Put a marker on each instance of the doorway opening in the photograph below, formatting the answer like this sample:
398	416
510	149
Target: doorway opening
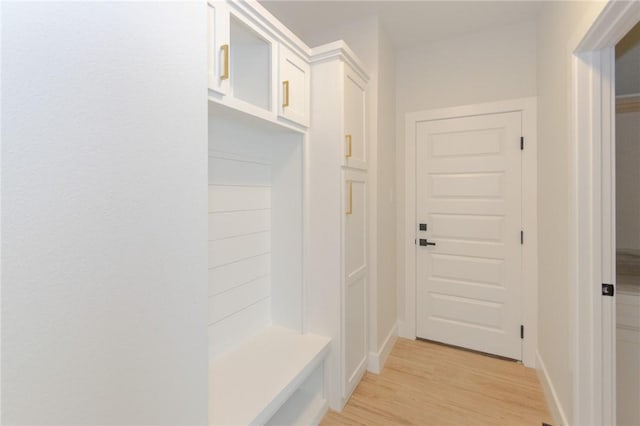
471	214
627	203
469	255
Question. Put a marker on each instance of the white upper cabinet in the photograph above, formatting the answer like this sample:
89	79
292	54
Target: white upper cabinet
256	65
251	59
219	65
294	87
355	149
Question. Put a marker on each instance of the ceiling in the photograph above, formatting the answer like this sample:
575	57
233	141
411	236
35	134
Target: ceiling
407	23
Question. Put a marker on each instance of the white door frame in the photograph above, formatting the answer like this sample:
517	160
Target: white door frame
592	214
529	293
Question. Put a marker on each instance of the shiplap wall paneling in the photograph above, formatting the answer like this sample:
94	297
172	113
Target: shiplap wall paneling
239	235
255	230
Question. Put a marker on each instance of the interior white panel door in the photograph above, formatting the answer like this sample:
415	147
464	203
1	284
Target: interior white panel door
355	278
469	194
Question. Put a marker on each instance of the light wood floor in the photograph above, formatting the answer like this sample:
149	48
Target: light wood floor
426	383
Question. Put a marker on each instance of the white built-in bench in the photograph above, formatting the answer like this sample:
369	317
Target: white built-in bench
275	378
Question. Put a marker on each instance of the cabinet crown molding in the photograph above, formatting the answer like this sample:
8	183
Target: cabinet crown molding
339	50
253	10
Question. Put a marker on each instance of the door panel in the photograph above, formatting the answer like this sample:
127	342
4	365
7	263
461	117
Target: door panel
468	227
355	225
354	121
469	185
467	268
355	333
218	47
295	87
355	278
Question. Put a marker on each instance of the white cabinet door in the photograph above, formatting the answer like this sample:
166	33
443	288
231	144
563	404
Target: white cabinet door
355	149
218	55
355	278
294	87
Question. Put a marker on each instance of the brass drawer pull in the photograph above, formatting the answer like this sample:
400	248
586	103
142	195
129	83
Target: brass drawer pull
225	72
285	90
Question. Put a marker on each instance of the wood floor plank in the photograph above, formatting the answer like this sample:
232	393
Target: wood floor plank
426	383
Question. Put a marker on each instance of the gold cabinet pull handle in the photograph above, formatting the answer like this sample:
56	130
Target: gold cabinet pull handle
348	154
285	90
225	72
350	209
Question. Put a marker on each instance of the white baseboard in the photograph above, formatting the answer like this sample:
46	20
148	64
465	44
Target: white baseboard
558	414
377	359
317	419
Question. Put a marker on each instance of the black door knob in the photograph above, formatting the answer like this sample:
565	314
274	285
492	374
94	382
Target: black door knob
425	242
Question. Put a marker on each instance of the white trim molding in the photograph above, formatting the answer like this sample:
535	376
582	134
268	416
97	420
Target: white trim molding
378	359
558	414
592	214
528	108
339	49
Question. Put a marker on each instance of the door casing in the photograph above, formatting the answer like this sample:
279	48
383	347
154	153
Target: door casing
592	215
527	106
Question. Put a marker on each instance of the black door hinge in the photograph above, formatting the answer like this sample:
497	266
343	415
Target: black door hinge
522	331
521	237
521	143
608	290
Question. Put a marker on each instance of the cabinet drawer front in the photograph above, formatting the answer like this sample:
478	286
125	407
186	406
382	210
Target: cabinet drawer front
294	87
354	120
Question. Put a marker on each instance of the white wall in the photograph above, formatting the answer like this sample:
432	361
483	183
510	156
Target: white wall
559	29
387	266
498	64
628	180
370	43
104	224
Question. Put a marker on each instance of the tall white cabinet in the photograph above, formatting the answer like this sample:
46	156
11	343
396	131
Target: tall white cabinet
336	262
